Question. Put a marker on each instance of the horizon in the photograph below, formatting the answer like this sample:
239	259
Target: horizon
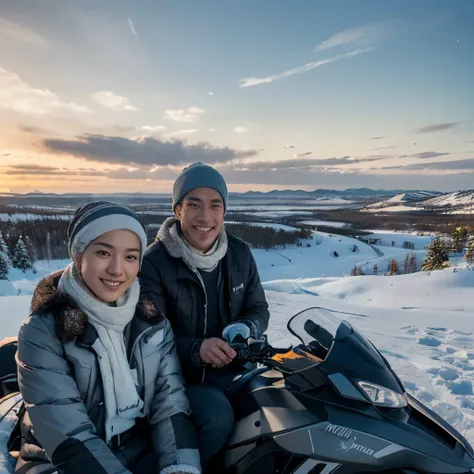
115	96
250	191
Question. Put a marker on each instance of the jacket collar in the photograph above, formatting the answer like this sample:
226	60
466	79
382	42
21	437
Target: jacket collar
70	321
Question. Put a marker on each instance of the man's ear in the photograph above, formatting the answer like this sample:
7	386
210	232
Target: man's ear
177	211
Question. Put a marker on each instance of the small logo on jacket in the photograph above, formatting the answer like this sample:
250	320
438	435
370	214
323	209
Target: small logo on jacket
236	289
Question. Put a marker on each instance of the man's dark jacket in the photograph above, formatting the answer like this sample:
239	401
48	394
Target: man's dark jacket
178	291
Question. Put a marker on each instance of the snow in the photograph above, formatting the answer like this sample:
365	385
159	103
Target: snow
398	238
422	322
326	223
23	283
271	225
429	345
396	208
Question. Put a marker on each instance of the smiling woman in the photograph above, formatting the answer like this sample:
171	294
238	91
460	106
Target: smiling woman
96	402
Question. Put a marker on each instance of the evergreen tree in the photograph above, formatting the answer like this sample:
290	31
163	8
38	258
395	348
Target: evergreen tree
470	250
376	269
437	257
412	265
30	248
406	264
4	260
3	266
459	236
21	259
393	267
49	254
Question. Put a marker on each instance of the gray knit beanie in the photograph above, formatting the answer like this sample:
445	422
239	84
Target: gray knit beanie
97	218
199	175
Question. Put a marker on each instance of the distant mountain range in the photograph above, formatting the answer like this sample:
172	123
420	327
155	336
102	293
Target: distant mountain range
459	202
352	193
287	193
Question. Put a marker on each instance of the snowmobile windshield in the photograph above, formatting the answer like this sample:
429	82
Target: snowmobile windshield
341	347
315	325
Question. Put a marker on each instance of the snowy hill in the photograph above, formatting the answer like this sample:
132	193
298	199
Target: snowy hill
455	203
460	202
413	200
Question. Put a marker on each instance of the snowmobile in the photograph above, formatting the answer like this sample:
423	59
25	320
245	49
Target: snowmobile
332	403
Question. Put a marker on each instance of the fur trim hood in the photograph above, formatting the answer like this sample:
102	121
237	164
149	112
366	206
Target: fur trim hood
70	320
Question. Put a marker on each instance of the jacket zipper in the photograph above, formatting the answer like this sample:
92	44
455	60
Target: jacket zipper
205	314
140	336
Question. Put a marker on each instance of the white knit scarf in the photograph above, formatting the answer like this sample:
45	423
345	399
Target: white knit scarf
122	402
177	246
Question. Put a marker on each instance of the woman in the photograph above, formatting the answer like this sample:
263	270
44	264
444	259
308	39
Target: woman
97	368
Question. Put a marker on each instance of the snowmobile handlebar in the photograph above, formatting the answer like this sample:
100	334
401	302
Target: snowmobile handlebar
256	350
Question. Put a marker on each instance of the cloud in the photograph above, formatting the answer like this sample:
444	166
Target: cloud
211	93
438	127
240	129
180	133
212	130
17	33
30	129
152	128
113	101
427	154
376	138
189	115
256	81
456	165
359	40
132	27
21	97
355	37
302	164
288	146
42	170
306	153
385	148
145	152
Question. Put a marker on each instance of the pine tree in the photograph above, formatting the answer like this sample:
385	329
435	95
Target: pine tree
21	258
459	236
412	264
376	269
49	254
437	257
470	250
30	248
3	266
4	260
406	264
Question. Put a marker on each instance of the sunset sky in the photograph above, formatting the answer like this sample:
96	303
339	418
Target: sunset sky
119	96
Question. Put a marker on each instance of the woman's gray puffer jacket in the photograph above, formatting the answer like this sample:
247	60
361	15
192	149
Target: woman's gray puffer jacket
61	385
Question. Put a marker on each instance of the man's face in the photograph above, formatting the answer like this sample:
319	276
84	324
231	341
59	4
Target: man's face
201	215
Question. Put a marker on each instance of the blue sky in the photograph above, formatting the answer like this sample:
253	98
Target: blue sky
120	96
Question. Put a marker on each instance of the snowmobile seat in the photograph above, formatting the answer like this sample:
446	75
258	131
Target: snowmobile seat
8	369
269	378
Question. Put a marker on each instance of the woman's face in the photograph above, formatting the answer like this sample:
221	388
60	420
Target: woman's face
110	264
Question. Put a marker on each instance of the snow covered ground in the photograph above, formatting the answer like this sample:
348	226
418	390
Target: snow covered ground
326	223
422	322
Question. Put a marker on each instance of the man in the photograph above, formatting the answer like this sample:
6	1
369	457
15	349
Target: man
203	278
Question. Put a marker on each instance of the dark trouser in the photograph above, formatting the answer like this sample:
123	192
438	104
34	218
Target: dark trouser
214	419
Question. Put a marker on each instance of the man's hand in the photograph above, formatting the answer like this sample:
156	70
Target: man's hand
216	352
